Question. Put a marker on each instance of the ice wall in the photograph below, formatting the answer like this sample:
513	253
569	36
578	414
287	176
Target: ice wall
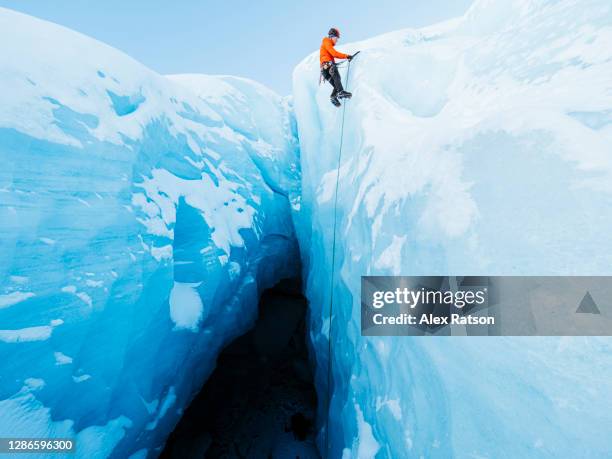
140	217
477	146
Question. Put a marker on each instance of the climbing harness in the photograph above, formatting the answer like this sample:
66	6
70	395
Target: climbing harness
331	300
327	65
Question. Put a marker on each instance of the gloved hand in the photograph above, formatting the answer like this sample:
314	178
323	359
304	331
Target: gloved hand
349	57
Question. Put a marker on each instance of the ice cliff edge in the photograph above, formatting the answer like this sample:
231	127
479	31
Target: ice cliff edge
480	146
141	215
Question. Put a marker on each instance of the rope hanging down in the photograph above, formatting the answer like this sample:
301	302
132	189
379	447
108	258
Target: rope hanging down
333	263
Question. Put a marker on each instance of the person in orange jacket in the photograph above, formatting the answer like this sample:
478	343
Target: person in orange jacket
329	71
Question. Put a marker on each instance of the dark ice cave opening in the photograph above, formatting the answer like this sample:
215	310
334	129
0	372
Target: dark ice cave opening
260	401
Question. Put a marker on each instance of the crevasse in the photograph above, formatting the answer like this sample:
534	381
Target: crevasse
142	215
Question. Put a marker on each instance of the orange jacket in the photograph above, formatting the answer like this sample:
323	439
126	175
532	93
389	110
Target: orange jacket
328	52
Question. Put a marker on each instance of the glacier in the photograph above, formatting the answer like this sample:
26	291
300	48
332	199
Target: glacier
141	216
478	146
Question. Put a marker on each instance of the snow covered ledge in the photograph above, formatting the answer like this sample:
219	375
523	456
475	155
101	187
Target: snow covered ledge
141	216
479	146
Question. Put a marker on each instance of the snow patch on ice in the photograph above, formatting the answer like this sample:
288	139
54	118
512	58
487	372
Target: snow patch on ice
29	334
166	404
81	378
163	191
391	257
34	383
61	358
186	308
94	283
365	445
13	298
98	442
80	295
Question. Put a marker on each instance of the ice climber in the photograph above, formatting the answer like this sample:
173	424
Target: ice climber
329	70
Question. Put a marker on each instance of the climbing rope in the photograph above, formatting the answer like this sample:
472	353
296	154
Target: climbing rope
333	263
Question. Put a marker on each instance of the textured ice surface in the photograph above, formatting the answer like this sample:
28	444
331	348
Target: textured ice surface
140	216
478	146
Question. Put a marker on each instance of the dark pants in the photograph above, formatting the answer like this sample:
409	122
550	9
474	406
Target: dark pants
332	75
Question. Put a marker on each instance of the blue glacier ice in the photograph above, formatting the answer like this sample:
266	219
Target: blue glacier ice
141	217
142	214
479	146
